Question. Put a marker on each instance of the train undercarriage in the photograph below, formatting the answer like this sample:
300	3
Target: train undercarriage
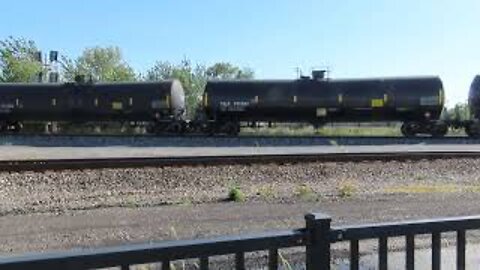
11	127
409	129
434	129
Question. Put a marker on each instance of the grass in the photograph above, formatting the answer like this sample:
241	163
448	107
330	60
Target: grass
305	193
235	194
473	189
420	177
305	130
131	202
446	188
358	131
438	188
284	261
185	201
346	190
349	129
267	192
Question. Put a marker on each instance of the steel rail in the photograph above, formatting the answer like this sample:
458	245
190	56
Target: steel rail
141	162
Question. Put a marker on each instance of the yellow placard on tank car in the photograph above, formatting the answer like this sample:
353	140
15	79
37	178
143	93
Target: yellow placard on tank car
116	105
377	103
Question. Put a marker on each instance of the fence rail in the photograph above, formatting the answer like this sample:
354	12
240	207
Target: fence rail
317	237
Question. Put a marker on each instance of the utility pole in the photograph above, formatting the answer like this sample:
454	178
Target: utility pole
49	72
298	70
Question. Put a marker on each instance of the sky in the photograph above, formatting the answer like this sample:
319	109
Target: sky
352	38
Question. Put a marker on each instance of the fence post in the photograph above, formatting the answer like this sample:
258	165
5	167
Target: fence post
318	241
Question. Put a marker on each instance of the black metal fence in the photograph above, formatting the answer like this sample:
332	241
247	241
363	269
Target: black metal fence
316	237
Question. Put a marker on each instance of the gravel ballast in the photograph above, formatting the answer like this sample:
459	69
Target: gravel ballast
54	191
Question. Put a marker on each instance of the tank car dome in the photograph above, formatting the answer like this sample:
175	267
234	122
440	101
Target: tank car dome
178	98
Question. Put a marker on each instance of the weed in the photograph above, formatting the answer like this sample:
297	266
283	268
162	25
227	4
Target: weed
346	190
305	193
185	202
145	267
420	177
236	194
285	263
266	192
182	262
131	202
474	189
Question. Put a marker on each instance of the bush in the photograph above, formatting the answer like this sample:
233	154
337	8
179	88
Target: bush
236	195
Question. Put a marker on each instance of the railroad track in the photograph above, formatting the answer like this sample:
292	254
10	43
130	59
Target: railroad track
140	162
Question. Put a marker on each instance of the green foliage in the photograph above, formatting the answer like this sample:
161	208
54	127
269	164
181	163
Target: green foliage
102	64
194	77
227	71
236	194
327	130
460	112
17	60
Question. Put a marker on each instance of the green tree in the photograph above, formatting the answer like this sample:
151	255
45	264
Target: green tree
101	64
17	60
194	77
459	112
227	71
446	114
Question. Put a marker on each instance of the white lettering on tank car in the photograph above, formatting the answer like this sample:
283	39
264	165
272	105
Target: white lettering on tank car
429	101
158	104
6	107
321	112
235	106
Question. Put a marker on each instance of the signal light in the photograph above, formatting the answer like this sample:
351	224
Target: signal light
38	56
53	77
53	56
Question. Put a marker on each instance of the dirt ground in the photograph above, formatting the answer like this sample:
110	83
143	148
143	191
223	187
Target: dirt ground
59	210
116	225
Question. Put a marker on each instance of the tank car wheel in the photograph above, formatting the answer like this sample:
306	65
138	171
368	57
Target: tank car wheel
201	128
150	129
210	129
176	128
3	127
230	128
16	127
409	129
473	130
439	130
